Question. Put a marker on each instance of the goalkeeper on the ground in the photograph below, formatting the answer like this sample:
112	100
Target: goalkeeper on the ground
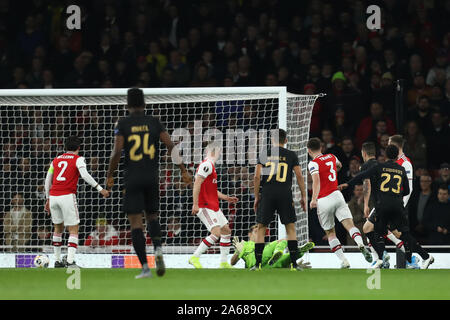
274	255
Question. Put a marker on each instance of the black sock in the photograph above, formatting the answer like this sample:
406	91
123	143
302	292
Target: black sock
416	247
293	251
154	230
406	238
137	235
375	242
259	248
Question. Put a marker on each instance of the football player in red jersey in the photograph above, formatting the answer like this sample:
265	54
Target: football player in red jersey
330	202
60	190
206	207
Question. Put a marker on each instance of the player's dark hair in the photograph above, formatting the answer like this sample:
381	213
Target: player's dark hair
369	148
392	152
314	144
282	135
135	98
397	140
73	143
443	186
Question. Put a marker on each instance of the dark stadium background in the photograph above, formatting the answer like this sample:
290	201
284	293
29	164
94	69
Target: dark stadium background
308	46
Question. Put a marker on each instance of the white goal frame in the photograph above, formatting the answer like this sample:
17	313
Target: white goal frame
21	97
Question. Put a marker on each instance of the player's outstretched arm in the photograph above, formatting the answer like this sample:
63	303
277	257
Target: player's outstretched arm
361	177
114	160
222	196
256	184
81	165
301	185
186	176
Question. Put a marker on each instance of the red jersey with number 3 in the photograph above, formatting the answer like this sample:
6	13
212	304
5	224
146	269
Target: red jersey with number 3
65	175
208	193
325	167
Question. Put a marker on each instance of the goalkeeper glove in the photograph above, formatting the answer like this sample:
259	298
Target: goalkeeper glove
239	246
303	265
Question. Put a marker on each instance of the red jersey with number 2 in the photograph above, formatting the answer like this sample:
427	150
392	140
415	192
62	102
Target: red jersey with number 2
65	175
325	166
208	193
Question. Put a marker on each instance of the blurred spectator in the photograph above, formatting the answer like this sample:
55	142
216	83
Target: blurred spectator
367	127
421	113
438	141
353	170
330	144
440	72
418	204
17	225
348	149
444	177
356	206
103	235
181	72
415	145
437	218
340	126
419	89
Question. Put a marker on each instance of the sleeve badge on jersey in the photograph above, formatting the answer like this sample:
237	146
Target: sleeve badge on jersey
206	169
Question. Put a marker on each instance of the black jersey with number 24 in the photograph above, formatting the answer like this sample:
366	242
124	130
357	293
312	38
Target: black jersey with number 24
141	144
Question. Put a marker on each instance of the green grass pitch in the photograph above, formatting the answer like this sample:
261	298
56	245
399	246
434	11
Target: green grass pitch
210	284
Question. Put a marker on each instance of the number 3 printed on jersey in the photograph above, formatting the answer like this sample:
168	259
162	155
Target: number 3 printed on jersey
63	164
332	176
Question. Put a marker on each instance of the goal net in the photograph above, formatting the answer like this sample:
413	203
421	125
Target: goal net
36	122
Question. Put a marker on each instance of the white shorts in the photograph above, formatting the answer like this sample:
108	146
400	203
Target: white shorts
64	209
212	218
330	206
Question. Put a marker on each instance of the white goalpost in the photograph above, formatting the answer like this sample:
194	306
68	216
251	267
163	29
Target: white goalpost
35	122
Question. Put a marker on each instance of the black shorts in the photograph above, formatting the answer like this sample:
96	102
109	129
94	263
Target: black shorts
279	202
141	198
390	213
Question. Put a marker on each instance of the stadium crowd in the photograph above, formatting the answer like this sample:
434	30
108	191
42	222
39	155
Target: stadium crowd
309	46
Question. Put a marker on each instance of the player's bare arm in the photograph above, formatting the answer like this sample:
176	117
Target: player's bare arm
338	164
186	176
316	188
231	199
366	193
196	192
257	181
89	179
114	160
301	185
234	258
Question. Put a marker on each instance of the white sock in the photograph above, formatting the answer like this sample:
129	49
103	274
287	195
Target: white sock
356	236
206	243
57	243
372	250
396	241
72	247
225	245
336	248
